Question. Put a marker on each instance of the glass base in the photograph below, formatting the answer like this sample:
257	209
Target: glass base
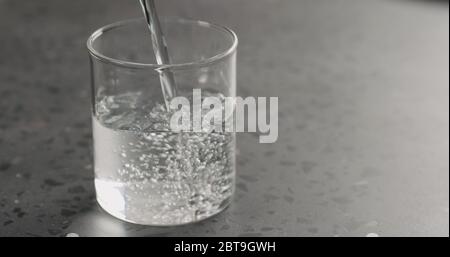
142	215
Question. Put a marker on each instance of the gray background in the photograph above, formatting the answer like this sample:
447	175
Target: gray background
363	145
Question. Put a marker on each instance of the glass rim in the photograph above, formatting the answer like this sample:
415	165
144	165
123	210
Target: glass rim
211	60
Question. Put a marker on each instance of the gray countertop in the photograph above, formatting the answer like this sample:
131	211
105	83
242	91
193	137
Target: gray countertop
363	88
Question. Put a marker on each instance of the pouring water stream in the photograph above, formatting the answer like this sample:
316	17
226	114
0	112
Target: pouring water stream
168	84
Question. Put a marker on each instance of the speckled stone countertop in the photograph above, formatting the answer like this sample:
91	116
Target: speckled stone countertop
363	146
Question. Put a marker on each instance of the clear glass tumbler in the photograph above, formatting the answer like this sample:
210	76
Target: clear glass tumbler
145	173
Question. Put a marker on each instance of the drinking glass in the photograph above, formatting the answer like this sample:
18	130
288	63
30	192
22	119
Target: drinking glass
146	173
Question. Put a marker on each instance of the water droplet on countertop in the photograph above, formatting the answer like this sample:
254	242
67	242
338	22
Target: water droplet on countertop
72	235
